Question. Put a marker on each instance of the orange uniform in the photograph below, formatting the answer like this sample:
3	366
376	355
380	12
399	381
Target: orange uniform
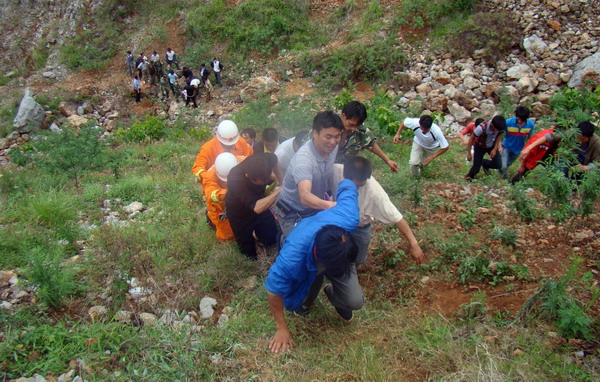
211	149
214	191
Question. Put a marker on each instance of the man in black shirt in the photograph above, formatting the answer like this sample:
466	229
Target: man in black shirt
247	206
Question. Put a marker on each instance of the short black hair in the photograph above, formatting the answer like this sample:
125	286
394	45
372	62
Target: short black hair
335	250
136	77
270	134
522	113
129	52
355	109
325	119
357	168
251	132
479	121
299	137
499	123
258	167
426	121
202	64
586	129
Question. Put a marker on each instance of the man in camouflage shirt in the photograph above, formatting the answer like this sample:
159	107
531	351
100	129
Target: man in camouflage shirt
356	137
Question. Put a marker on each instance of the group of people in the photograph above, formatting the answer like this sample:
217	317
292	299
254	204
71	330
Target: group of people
164	76
313	197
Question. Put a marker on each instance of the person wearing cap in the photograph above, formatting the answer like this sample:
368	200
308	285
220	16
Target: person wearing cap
215	189
192	92
486	139
227	140
429	141
248	209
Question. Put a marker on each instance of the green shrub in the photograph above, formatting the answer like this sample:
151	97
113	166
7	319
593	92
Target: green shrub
91	49
523	203
507	236
573	106
357	61
261	25
151	129
54	282
134	188
495	33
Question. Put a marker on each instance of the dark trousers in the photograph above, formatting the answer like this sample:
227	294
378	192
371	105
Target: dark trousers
345	293
218	78
263	225
193	99
478	160
138	95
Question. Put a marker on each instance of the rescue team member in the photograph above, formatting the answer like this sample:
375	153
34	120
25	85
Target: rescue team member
215	189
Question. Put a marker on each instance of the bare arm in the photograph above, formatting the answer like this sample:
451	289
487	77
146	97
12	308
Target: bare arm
536	143
397	136
376	149
437	154
415	250
496	146
470	146
282	338
265	203
310	200
278	173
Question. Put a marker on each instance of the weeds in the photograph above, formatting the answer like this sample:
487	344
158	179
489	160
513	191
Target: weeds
151	128
507	236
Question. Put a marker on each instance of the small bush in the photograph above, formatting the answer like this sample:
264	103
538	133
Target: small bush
54	282
130	189
494	33
151	129
506	235
357	61
523	203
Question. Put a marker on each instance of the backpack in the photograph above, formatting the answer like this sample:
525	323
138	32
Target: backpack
481	140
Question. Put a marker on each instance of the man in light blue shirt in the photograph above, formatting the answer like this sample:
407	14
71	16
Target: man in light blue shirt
518	130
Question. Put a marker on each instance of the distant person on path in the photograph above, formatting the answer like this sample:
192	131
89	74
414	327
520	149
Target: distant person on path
286	151
187	74
204	73
192	92
518	130
248	208
307	182
226	140
466	133
217	67
429	142
270	141
171	58
141	58
215	190
173	83
486	139
137	89
356	137
143	68
321	245
249	136
130	65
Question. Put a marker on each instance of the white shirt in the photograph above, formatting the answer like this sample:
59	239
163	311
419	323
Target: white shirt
170	55
432	139
154	57
373	202
285	152
215	66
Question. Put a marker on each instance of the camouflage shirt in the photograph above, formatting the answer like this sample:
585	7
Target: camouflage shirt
356	141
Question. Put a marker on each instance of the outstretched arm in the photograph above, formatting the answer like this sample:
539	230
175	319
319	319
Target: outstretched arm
415	249
376	149
282	340
397	136
470	146
437	154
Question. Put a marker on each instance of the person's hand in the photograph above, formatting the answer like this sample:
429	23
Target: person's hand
282	341
500	149
582	167
493	153
524	153
393	165
396	138
427	161
330	203
469	156
417	254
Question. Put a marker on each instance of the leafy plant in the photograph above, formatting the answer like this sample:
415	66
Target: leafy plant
522	203
151	128
506	235
476	307
467	218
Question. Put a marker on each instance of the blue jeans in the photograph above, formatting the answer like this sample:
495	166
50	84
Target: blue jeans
508	157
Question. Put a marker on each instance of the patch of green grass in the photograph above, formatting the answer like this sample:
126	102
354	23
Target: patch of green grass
134	188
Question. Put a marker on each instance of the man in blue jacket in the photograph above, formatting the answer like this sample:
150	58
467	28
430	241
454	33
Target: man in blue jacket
320	245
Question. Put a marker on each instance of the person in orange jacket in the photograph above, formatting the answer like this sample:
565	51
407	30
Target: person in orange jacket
227	140
215	189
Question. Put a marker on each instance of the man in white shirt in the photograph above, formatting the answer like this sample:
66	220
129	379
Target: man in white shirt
217	67
429	141
286	150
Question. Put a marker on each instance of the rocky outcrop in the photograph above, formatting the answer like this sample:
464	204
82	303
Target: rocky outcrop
588	70
30	115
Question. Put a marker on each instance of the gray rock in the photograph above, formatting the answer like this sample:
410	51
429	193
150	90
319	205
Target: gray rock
471	83
148	319
30	115
526	85
54	128
123	316
518	71
586	70
67	377
487	109
223	318
535	46
134	207
138	292
97	312
207	307
80	110
459	113
49	75
6	305
4	143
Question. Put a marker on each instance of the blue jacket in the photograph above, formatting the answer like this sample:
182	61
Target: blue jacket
294	270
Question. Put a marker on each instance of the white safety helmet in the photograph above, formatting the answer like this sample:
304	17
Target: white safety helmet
224	163
195	82
227	133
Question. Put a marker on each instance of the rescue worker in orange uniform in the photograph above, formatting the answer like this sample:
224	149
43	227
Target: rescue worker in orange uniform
215	189
227	140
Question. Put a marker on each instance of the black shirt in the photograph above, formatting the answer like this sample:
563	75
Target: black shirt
242	194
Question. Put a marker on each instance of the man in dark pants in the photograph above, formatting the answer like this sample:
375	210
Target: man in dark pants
486	139
248	207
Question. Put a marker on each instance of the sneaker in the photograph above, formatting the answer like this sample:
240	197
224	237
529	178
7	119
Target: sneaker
302	311
486	170
346	314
